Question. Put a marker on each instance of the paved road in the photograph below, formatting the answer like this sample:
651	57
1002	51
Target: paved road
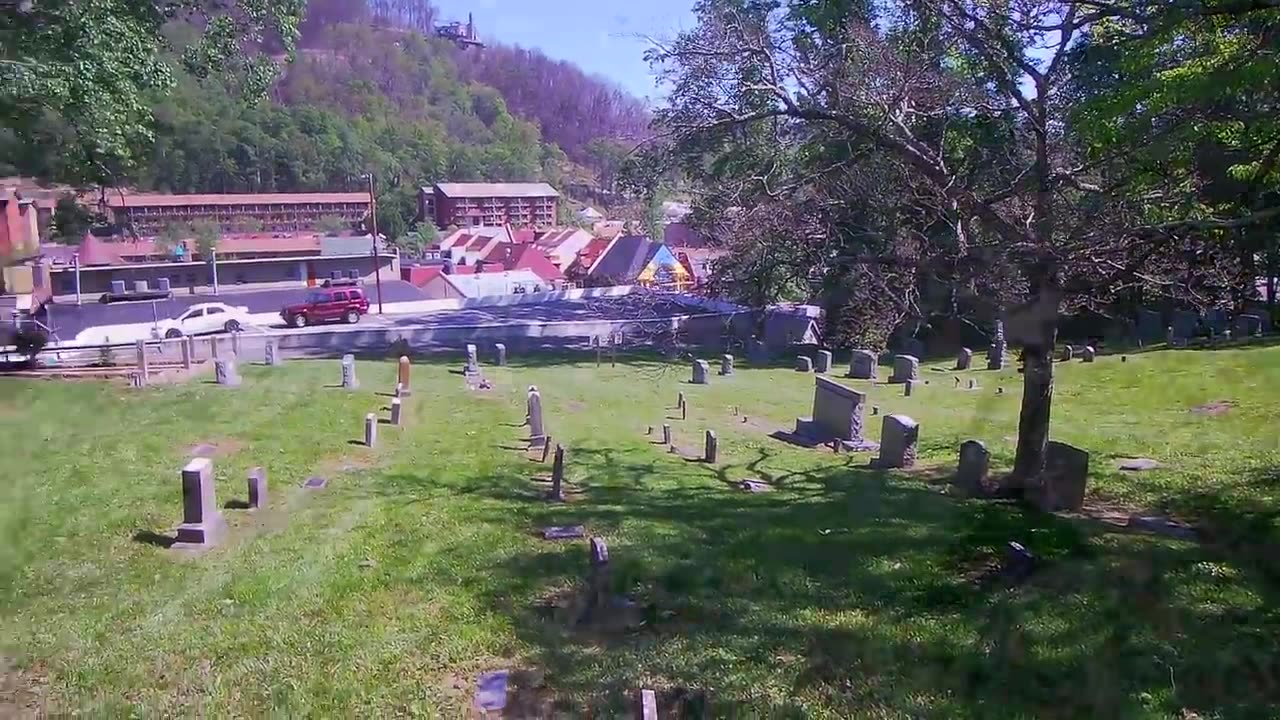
620	308
68	320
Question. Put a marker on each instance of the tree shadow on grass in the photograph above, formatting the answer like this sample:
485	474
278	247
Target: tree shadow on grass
851	590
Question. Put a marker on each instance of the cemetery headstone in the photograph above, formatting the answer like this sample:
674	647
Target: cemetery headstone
533	416
599	580
973	384
1068	353
225	372
1248	325
257	488
905	369
648	705
1062	484
271	354
491	691
349	381
907	387
995	353
473	363
680	400
187	352
710	451
701	371
666	434
202	521
404	369
546	450
898	436
398	391
500	354
557	476
136	380
964	359
213	346
863	365
804	364
143	365
726	364
973	468
235	343
1088	354
823	364
1018	564
396	410
370	430
315	482
837	415
563	532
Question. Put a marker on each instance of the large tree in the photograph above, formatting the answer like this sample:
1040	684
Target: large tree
90	69
934	147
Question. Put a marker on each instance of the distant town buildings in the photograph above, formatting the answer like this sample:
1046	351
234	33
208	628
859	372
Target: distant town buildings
19	224
470	205
146	214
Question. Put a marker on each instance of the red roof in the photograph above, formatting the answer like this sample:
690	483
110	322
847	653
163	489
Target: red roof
165	200
96	251
591	253
511	256
477	243
524	235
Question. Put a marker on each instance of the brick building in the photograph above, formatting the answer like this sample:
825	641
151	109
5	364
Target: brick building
150	213
467	205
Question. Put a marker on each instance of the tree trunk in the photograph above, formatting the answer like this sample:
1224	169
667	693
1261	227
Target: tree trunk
1033	421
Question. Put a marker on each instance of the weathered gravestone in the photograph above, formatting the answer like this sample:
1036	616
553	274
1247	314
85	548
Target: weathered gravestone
202	521
563	532
533	416
213	346
648	705
188	351
500	354
726	364
666	434
396	409
557	477
404	369
1088	354
905	369
710	451
973	468
804	364
349	381
1248	325
257	488
837	415
235	343
370	430
995	353
144	368
964	359
473	364
863	365
491	692
1062	484
599	581
271	354
1068	353
898	436
225	373
136	380
701	371
823	364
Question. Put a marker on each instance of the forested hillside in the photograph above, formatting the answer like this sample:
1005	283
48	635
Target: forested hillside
369	91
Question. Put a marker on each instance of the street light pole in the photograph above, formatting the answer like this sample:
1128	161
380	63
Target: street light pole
377	261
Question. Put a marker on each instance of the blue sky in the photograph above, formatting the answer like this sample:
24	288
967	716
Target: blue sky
597	35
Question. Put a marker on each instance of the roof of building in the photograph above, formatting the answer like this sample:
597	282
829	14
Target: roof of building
482	190
590	213
96	251
511	256
464	237
555	238
609	229
495	283
625	257
114	200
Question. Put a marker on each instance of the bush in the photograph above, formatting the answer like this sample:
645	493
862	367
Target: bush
29	341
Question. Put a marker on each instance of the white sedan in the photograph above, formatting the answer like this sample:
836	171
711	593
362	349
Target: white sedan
205	318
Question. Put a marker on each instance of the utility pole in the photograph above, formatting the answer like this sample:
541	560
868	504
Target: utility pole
377	261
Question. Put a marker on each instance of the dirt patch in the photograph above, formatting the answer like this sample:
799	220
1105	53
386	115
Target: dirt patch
337	465
575	406
22	692
223	447
1215	408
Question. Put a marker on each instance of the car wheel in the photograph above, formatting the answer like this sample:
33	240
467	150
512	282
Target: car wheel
173	333
299	321
232	326
353	317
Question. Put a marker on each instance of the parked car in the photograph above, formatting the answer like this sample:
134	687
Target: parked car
205	318
345	302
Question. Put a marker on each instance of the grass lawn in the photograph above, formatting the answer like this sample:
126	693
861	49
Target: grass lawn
845	592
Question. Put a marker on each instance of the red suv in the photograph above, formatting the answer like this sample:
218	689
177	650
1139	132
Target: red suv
336	302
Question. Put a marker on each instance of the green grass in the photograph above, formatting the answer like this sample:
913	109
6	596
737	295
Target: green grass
845	593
